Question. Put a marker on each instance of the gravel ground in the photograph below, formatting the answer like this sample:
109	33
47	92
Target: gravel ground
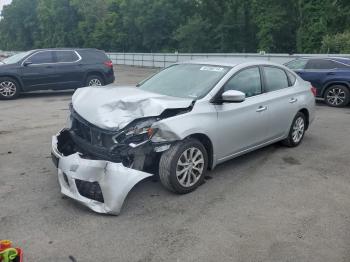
275	204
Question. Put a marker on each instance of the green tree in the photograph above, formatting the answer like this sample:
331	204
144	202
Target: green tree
19	25
276	23
58	22
339	43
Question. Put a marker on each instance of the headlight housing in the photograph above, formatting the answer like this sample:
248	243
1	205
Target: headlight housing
136	132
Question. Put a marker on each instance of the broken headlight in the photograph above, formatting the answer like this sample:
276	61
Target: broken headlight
137	132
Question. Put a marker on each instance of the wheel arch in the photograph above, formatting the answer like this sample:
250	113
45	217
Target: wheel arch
307	116
97	73
208	145
16	78
333	83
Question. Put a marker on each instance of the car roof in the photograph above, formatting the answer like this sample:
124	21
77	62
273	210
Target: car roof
335	58
65	49
231	62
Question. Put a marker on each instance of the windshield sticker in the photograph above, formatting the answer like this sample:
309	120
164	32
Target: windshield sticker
212	68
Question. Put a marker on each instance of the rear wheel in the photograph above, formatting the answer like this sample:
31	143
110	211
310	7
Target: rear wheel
94	80
183	166
9	88
297	131
337	96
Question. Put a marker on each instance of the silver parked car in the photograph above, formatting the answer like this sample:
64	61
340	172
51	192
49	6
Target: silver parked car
179	123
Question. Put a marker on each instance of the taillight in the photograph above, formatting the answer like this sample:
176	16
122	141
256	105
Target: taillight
313	90
109	63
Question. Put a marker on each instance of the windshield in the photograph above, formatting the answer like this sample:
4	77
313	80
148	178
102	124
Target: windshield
185	80
15	58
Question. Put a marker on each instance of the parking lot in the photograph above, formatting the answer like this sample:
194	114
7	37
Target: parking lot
275	204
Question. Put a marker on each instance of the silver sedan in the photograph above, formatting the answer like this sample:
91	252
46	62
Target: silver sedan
179	123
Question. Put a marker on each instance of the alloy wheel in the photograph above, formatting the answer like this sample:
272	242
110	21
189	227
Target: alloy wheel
298	130
336	96
190	167
95	82
8	88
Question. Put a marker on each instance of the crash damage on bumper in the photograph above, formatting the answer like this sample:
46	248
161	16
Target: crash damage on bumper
98	164
106	183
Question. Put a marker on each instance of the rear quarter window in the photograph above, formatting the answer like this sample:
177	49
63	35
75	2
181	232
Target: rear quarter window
292	78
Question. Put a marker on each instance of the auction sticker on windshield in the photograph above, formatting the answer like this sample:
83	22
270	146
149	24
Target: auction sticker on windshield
212	68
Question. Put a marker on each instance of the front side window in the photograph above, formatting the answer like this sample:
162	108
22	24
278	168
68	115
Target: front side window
297	64
185	80
15	58
275	79
66	56
247	81
41	58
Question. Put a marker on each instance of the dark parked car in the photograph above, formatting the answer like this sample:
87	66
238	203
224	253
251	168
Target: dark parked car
54	69
330	76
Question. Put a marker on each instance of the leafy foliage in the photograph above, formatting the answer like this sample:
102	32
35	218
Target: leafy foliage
304	26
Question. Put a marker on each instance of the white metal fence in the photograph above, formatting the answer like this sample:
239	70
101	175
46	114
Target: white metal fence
166	59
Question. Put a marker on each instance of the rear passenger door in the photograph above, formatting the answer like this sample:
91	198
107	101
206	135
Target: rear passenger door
281	99
317	70
69	71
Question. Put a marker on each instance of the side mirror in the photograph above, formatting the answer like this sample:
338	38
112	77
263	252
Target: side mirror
233	96
27	63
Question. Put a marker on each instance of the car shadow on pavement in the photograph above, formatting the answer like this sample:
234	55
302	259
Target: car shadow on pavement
40	94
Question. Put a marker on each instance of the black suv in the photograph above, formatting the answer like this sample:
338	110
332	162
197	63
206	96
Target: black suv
54	69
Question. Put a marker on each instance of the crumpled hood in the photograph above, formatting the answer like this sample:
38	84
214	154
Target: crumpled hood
113	108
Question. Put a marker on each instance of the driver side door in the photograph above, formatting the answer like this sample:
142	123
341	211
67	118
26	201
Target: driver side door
38	71
242	126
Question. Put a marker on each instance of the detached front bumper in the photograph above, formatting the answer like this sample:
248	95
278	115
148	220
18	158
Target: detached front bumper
111	181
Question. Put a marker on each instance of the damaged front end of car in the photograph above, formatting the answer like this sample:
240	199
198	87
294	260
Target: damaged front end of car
98	167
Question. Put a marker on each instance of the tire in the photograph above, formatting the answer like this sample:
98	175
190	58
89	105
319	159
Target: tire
94	80
171	172
337	96
297	131
9	88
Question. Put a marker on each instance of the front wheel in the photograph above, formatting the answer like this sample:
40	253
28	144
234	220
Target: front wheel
9	88
183	166
297	131
337	96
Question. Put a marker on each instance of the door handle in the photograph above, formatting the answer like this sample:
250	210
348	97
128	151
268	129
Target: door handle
293	100
261	108
331	73
49	66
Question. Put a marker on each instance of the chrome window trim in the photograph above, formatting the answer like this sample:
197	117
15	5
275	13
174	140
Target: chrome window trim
79	57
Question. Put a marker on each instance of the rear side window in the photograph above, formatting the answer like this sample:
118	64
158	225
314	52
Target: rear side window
324	64
297	64
247	81
66	56
43	57
93	55
275	79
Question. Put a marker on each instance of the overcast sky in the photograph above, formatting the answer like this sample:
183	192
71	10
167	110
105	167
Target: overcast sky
4	2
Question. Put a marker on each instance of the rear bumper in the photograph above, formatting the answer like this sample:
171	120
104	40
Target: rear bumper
109	77
114	179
